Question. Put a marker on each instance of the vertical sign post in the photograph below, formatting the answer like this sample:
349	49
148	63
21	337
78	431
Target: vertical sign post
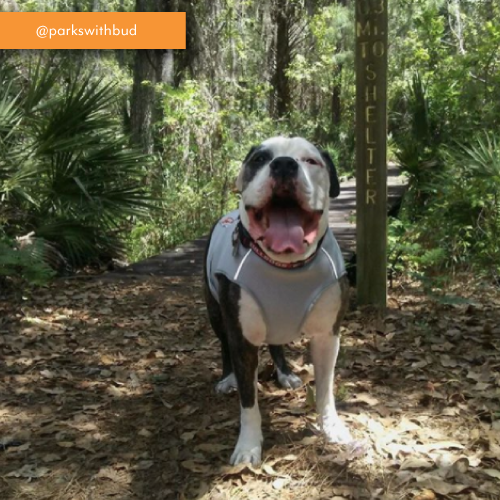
371	152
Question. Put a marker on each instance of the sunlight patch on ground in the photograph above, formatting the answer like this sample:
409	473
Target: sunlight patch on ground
109	390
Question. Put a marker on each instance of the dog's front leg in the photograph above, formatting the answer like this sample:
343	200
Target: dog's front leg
324	350
249	445
246	331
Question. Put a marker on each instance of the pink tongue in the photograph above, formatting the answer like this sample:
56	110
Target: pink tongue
285	231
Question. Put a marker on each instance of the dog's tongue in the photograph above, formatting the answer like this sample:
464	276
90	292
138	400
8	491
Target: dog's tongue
285	232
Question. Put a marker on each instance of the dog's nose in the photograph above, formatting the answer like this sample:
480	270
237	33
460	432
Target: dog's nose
284	167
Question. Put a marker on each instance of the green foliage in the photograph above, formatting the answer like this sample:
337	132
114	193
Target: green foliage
204	139
81	6
444	103
475	198
316	74
459	225
66	172
26	263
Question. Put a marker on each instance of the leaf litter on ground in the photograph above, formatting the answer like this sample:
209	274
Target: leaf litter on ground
108	391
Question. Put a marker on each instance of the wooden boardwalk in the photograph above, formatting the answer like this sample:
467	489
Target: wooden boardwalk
187	260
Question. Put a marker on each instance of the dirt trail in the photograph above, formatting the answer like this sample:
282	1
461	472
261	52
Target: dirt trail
107	392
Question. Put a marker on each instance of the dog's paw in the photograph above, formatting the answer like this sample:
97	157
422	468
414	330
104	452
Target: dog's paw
227	385
335	430
290	381
246	454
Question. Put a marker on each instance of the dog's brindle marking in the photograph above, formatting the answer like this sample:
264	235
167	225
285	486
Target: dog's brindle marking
244	355
284	374
288	378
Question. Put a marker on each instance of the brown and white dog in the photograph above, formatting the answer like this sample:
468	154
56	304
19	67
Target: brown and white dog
274	272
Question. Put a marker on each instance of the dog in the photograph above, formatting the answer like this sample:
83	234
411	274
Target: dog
274	271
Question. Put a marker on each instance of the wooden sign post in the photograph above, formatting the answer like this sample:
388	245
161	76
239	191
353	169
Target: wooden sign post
371	152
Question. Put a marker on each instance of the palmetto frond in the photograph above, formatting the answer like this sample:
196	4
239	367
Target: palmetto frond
482	158
67	163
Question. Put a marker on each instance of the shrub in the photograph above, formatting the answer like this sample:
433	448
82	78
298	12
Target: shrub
67	174
459	226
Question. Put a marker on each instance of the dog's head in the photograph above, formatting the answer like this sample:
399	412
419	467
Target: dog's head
285	186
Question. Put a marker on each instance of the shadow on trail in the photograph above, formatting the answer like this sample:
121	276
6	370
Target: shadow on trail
108	391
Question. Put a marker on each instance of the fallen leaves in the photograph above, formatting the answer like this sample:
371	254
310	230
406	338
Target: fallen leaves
439	486
416	463
108	392
280	483
197	467
29	471
494	473
240	469
425	495
212	448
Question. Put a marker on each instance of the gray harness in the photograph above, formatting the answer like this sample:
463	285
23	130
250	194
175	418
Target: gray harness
285	296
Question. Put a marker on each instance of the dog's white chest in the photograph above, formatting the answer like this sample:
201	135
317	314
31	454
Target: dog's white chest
321	318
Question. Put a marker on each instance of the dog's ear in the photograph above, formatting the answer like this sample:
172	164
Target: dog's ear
239	180
334	180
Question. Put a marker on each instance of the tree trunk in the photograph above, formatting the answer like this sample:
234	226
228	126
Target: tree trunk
283	15
337	85
150	67
187	61
143	100
336	103
7	6
166	71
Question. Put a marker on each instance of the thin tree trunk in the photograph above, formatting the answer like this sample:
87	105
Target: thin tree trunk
166	71
150	67
336	103
7	6
337	85
283	13
143	100
187	61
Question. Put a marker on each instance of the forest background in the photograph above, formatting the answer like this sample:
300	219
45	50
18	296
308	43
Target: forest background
120	154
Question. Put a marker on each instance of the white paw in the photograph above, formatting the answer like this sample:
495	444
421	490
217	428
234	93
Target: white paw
227	385
335	430
247	453
291	381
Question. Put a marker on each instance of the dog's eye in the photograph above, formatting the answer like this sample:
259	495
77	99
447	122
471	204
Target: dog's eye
311	161
259	159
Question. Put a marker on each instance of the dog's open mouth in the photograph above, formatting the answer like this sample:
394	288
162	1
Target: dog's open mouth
283	225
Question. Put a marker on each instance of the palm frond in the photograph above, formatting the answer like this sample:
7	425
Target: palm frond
68	166
482	157
42	80
9	114
75	117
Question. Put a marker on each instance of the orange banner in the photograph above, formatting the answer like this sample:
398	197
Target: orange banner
92	30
